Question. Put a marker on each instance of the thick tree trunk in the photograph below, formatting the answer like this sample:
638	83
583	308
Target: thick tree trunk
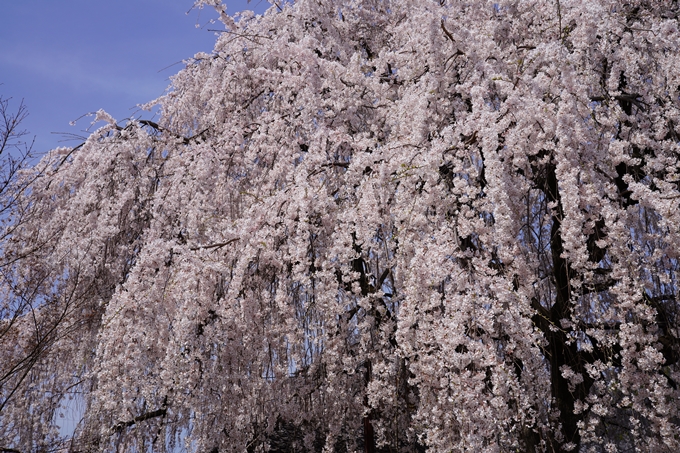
562	352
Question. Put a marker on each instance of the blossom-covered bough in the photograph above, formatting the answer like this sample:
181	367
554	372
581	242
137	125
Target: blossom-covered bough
367	225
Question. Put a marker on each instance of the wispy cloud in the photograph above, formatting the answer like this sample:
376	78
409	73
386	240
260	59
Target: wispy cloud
75	72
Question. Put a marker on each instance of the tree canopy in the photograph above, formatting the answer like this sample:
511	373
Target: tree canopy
378	225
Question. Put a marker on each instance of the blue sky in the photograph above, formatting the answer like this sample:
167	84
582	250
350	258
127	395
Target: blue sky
70	57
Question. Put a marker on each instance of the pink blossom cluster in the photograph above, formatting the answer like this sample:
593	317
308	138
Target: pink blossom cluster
378	225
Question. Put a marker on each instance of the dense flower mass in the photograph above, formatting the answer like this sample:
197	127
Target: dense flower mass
378	225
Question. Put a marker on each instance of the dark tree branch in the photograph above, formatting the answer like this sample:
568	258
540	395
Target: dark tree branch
214	246
147	416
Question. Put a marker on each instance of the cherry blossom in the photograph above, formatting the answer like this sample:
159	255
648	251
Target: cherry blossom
370	225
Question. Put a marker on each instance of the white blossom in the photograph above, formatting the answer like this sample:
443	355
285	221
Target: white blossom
389	224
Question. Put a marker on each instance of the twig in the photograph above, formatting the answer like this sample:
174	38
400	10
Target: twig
448	34
214	246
